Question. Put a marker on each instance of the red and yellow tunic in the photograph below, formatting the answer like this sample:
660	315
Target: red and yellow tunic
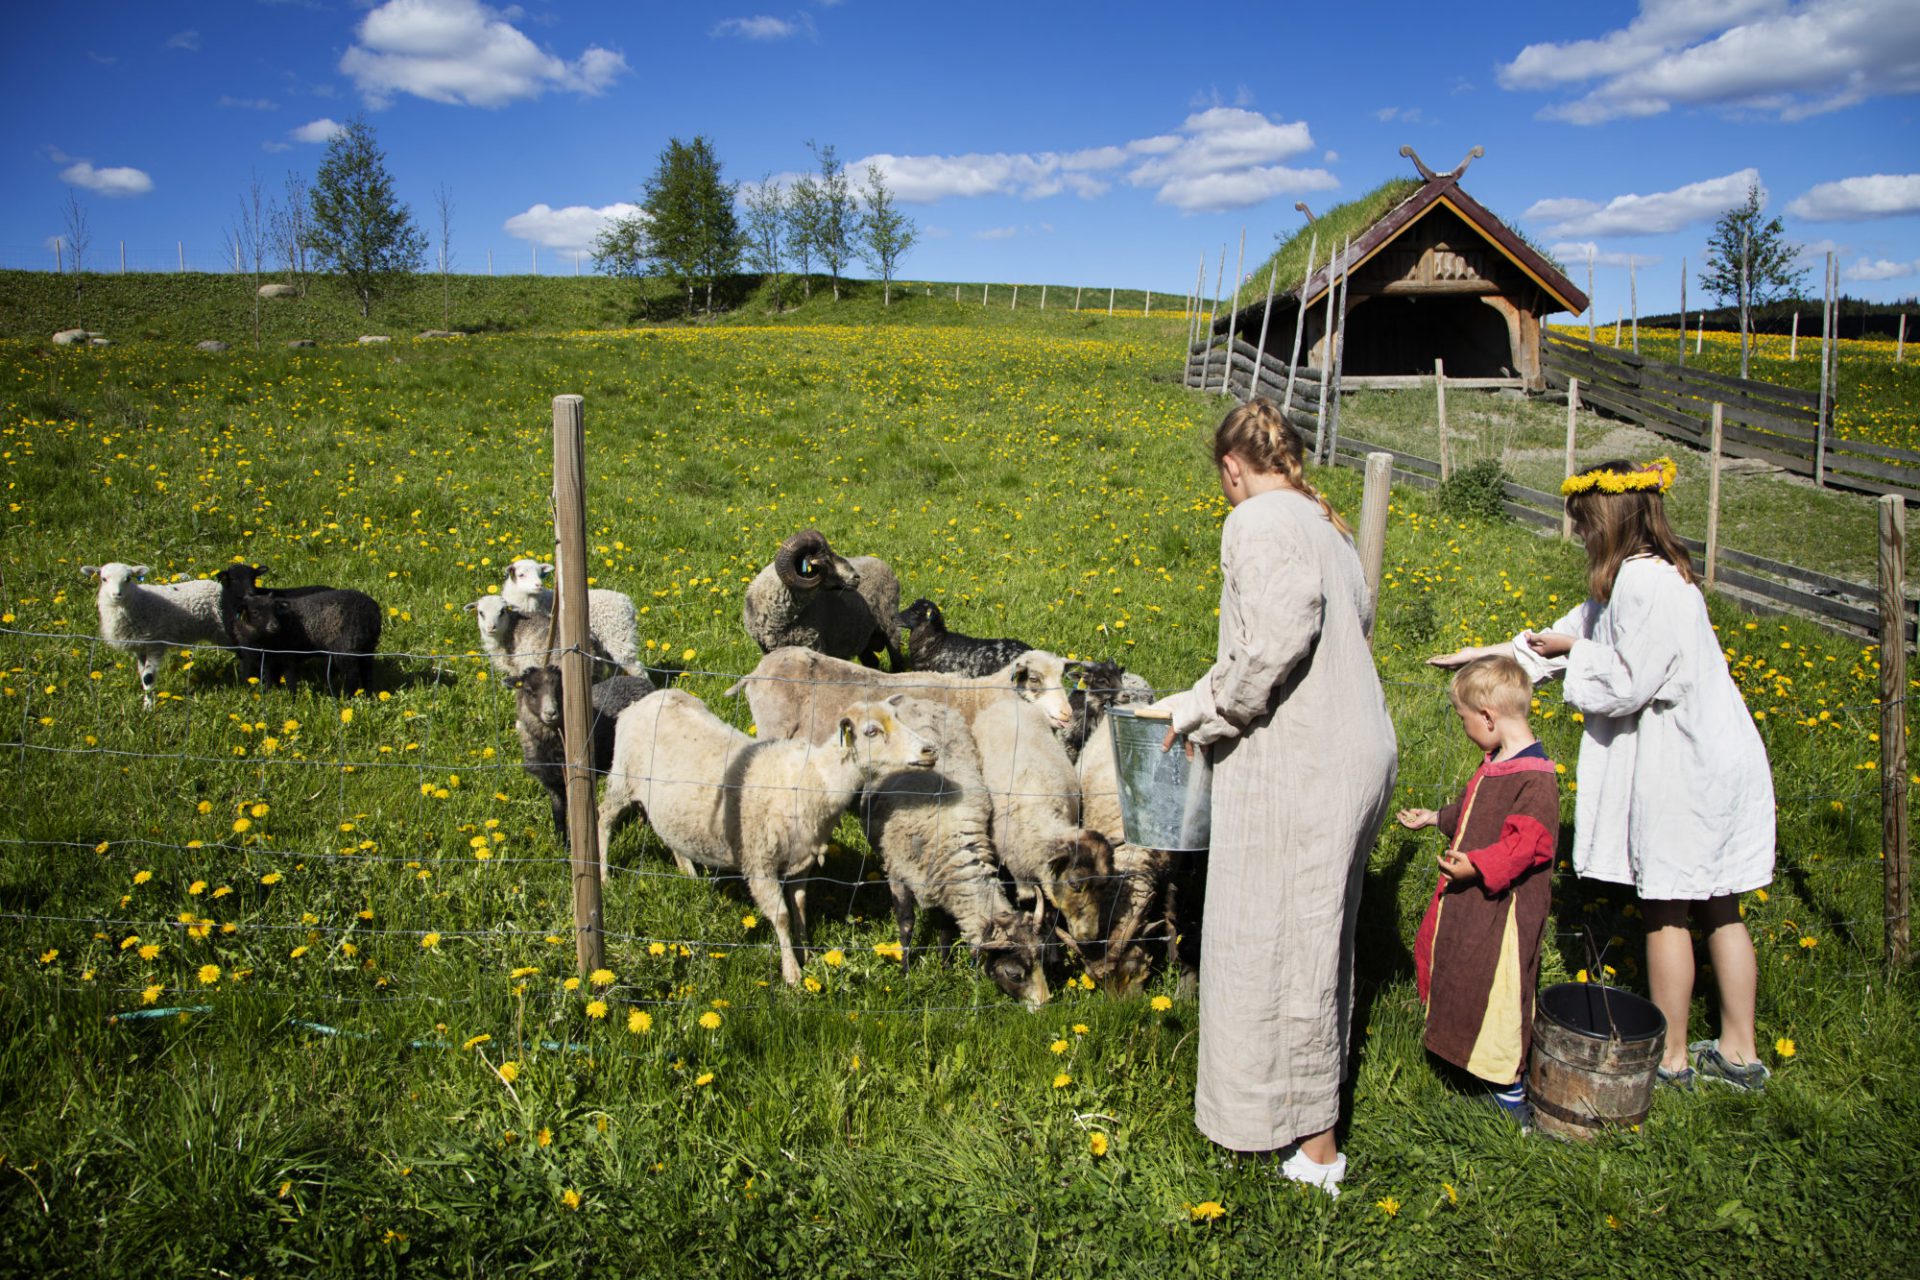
1477	955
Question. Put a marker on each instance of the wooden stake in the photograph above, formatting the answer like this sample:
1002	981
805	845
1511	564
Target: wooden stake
1793	344
1332	387
1260	355
1109	300
1894	848
181	247
1440	407
1148	314
1743	304
956	293
60	262
1683	314
1193	320
1233	312
1899	343
1374	495
1633	294
1043	297
1590	337
1300	319
536	259
1016	299
1617	314
983	294
1206	359
1714	456
1699	331
576	674
1326	361
1573	418
123	271
1826	402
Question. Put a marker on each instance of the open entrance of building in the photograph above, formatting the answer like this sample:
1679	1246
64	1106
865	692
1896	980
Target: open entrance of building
1397	335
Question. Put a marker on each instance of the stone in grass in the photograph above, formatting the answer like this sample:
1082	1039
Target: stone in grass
97	341
438	333
210	344
72	338
373	339
298	343
279	291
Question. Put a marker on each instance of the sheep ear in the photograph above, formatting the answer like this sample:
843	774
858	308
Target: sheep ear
515	680
89	570
471	606
897	699
546	570
141	571
846	732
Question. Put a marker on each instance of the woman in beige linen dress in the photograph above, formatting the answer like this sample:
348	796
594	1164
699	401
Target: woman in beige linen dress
1303	767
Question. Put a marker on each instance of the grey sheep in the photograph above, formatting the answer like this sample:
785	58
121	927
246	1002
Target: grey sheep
767	809
816	599
612	621
538	719
338	625
149	621
931	827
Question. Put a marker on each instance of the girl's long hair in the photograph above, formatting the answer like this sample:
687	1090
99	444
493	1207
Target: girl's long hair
1618	526
1267	442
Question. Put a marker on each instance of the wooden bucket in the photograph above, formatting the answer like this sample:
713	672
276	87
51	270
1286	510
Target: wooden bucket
1595	1049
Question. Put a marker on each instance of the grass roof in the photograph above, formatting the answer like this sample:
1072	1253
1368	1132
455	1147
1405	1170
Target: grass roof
1333	228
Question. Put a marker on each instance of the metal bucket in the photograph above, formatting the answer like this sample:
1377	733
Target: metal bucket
1594	1053
1166	800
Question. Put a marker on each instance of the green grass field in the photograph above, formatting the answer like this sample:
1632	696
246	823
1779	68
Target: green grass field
343	1104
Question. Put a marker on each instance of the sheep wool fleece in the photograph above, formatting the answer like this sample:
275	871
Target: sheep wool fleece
1303	766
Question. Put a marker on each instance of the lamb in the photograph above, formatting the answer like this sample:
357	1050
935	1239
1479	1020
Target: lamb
1036	816
1141	915
798	693
1100	685
337	624
149	620
612	621
930	827
717	797
537	721
515	642
932	647
811	597
238	581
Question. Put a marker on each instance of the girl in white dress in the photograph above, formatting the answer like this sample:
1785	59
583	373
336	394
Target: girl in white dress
1675	795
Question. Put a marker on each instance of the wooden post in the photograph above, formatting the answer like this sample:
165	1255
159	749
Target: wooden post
1109	301
1793	344
1043	297
1713	495
1590	337
1326	361
1374	493
59	262
1076	288
1618	314
1440	407
1699	331
1016	299
576	674
1193	321
983	293
1826	404
536	259
956	293
123	271
181	247
1148	313
1573	420
1743	304
1633	295
1260	355
1300	319
1233	312
1893	725
489	262
1219	279
1683	314
1331	387
1899	343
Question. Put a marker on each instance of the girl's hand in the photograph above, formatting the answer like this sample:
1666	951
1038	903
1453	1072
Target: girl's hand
1461	657
1550	644
1166	743
1415	819
1458	867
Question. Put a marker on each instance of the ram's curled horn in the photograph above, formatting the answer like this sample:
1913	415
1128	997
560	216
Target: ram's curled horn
799	558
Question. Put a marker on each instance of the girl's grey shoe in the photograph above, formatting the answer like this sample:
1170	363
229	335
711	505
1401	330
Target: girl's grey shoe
1710	1064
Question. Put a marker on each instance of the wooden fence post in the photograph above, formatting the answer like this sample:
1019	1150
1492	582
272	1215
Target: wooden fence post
1682	362
1076	288
1374	493
1110	304
1300	320
1331	386
1573	411
1826	401
1590	337
1618	312
1440	406
1043	297
1016	299
983	293
1219	279
180	247
1899	343
1793	343
123	271
1893	724
1266	314
1633	293
576	674
1713	495
1148	314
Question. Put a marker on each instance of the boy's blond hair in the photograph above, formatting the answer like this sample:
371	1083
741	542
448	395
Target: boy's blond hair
1498	683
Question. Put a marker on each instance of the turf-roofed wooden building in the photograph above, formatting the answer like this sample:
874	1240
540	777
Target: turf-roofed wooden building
1432	275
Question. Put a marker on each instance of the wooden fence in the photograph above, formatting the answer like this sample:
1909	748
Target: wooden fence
1777	425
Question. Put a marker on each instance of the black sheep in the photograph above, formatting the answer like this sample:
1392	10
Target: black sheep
931	647
335	623
537	719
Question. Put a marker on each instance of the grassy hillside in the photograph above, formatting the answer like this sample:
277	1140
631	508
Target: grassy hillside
286	984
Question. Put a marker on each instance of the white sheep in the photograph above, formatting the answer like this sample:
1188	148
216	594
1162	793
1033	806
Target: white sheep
932	829
516	642
767	809
1141	908
149	621
797	693
1036	818
814	597
612	621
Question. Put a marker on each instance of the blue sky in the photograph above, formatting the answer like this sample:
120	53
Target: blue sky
1079	144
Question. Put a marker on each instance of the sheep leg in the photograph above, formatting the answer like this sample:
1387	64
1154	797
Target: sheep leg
771	898
946	936
799	895
615	804
903	919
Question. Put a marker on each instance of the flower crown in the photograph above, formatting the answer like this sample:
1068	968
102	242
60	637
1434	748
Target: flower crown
1656	476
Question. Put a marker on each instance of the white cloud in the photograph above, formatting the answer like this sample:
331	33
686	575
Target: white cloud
1775	57
1573	254
274	148
117	181
1880	270
763	27
188	41
249	104
570	230
1637	215
1331	157
322	130
997	233
1879	195
1405	115
464	53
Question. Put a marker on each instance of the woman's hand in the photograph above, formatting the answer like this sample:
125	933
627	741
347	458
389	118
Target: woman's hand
1458	867
1461	657
1550	644
1416	819
1166	743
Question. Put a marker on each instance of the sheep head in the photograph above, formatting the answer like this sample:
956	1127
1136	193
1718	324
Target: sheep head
238	581
538	690
259	618
1040	677
870	735
115	577
527	574
1079	882
495	618
1012	954
806	563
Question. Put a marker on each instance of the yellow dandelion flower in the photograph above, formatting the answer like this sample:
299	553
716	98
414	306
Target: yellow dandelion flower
811	983
571	984
704	1079
509	1071
570	1198
209	974
1062	1080
639	1021
1080	1028
710	1020
259	810
205	806
1784	1047
141	877
272	878
197	888
1808	942
346	715
1058	1046
1388	1206
544	1138
601	977
242	825
222	891
296	953
656	948
1097	1144
524	971
150	951
1446	1189
1162	1003
835	958
887	950
596	1008
1206	1210
430	941
152	994
474	1042
749	920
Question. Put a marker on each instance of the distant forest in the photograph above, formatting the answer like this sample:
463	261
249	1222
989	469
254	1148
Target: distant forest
1858	318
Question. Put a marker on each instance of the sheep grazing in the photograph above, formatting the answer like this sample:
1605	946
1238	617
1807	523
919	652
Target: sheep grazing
931	647
515	642
1036	817
1141	915
768	809
797	693
537	721
337	624
238	581
612	621
811	597
150	620
931	828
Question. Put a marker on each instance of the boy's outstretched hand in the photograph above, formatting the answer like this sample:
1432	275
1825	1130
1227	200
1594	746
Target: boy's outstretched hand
1458	867
1415	819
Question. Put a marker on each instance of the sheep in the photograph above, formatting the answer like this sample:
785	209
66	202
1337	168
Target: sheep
798	693
338	624
1141	910
931	829
612	621
1036	816
1100	685
150	620
515	642
719	798
931	647
238	581
816	599
537	721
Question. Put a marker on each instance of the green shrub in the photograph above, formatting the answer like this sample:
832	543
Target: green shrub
1475	491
